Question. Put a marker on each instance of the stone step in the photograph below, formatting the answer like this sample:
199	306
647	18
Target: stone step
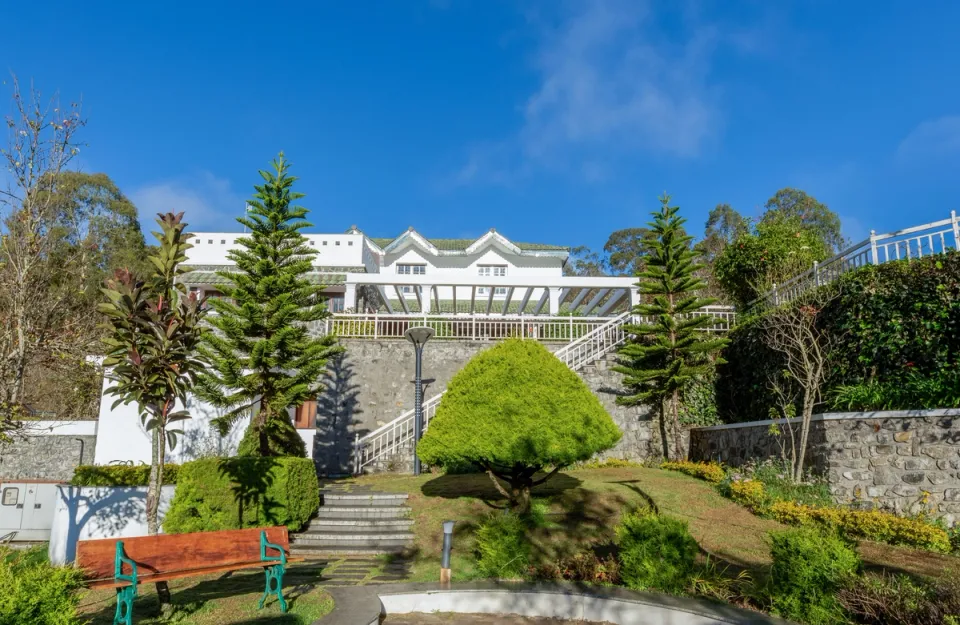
362	499
362	512
369	534
312	551
350	542
338	525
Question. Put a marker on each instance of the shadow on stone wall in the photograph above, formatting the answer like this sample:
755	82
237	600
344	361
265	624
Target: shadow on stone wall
338	409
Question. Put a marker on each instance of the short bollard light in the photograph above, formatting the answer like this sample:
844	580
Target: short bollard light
445	558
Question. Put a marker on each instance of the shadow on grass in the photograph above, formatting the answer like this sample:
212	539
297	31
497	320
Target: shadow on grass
479	486
190	603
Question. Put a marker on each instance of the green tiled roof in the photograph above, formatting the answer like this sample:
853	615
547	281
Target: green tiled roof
460	245
211	277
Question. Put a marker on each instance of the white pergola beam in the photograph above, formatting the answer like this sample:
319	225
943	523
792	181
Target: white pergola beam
473	300
383	296
611	302
596	300
578	299
526	298
490	299
403	300
543	301
506	300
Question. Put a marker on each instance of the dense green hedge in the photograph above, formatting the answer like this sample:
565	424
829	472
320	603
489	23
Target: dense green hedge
231	493
890	322
120	475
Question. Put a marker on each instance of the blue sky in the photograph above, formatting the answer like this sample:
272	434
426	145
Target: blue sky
556	122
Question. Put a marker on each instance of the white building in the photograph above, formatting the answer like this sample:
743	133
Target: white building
483	289
414	274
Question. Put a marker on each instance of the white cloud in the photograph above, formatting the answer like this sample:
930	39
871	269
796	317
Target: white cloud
208	201
932	139
610	83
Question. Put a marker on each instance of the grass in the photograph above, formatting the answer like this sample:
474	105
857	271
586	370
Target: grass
220	599
586	505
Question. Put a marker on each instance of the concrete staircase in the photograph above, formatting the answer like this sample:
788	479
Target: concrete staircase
355	520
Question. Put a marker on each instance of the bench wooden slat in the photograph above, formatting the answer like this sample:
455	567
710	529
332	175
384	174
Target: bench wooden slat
173	554
146	579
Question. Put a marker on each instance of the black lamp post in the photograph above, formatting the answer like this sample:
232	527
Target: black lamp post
419	337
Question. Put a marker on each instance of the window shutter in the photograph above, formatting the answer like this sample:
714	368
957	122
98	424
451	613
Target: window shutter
306	415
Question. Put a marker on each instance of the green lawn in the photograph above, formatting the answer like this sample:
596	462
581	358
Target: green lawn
221	599
586	505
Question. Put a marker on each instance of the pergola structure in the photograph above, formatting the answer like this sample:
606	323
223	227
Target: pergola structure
476	295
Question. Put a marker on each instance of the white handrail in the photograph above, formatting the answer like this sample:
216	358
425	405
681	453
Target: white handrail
874	250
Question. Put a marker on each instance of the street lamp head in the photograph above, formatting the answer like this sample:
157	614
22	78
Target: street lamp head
448	527
419	335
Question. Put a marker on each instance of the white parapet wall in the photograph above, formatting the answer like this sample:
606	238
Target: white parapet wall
83	513
121	437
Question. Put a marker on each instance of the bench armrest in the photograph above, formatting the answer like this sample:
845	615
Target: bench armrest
265	544
121	559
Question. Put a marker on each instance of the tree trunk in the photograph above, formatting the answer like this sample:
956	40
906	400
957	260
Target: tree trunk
153	503
263	416
664	441
804	433
677	431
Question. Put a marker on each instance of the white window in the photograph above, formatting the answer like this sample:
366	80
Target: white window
412	270
10	496
492	271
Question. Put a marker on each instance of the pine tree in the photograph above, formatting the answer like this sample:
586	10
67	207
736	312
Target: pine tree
670	347
264	357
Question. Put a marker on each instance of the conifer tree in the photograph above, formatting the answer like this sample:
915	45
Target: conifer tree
264	357
669	348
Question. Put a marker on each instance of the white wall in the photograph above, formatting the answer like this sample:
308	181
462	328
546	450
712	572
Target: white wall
122	438
83	513
333	250
60	428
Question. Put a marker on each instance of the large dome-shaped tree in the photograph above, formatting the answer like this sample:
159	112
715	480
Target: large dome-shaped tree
515	410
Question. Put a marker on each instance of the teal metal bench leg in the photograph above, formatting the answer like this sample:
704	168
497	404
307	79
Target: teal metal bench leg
274	586
125	594
124	614
274	572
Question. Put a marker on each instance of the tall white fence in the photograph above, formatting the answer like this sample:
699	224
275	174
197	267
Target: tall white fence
910	243
464	327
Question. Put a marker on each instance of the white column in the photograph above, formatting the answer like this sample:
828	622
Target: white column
426	298
634	297
555	300
350	297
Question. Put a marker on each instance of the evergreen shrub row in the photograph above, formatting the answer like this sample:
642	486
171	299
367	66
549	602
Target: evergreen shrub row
232	493
891	322
120	475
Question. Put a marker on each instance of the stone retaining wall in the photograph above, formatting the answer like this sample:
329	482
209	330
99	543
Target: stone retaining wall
905	461
47	457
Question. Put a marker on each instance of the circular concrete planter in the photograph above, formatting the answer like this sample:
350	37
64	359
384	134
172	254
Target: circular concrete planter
366	605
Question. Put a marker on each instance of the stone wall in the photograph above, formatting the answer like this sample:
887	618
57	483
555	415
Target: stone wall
640	436
373	384
47	457
904	461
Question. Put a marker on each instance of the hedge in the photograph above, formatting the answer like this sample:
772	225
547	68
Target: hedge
887	321
218	494
120	475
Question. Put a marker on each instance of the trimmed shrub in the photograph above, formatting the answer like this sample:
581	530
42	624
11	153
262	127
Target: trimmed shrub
809	568
120	475
749	493
582	567
895	322
502	547
219	494
868	524
514	410
36	593
709	471
887	599
655	552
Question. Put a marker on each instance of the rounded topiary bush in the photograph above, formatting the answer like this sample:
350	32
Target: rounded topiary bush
656	552
515	410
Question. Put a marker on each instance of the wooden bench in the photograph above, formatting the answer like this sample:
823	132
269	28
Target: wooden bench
124	563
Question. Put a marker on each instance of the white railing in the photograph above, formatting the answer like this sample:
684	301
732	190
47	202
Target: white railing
464	327
394	438
917	242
